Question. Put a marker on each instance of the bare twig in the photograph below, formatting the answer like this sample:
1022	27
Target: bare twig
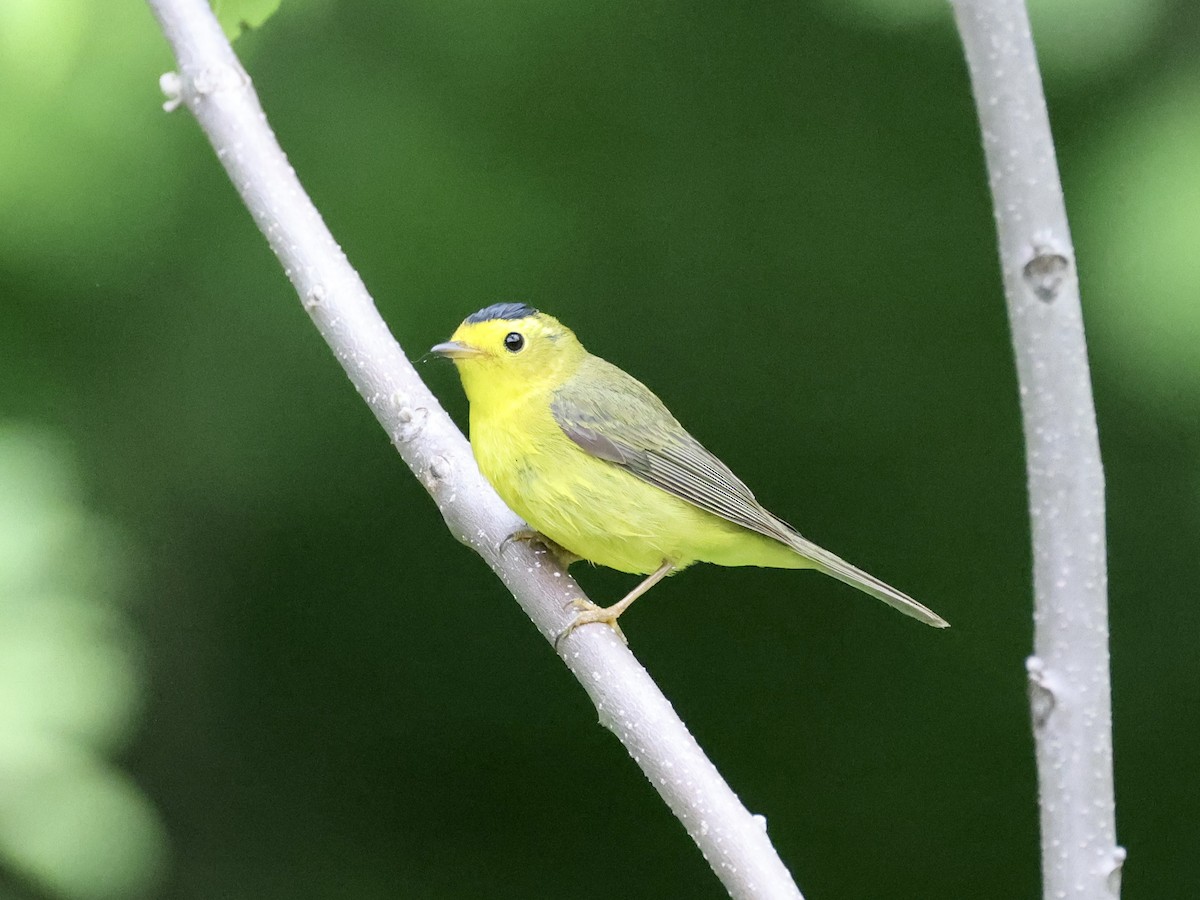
1069	672
215	87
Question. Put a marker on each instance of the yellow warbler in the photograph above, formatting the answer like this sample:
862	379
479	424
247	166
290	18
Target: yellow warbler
593	461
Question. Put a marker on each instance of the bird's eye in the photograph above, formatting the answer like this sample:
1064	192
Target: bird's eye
513	342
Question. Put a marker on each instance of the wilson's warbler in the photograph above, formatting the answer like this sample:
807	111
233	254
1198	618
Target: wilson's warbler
592	460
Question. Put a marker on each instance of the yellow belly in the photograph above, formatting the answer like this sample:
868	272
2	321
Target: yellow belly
599	511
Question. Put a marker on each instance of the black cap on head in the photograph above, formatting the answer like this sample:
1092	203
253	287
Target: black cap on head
502	311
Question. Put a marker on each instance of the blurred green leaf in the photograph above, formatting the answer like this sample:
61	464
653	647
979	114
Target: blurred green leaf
74	824
69	687
1141	228
239	16
55	119
1074	40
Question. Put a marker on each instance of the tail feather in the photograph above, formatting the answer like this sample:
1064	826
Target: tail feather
831	564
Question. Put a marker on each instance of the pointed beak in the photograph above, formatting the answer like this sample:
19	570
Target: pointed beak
455	350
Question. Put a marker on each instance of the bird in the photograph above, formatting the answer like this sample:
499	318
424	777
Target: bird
600	470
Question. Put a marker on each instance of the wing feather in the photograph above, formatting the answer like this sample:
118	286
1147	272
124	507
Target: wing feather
614	417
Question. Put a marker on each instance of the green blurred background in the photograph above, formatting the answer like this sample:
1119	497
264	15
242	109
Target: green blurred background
240	657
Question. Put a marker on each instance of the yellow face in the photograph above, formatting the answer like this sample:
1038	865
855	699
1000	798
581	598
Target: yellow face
507	351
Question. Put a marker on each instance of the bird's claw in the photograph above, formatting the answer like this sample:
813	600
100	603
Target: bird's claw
589	614
528	536
520	536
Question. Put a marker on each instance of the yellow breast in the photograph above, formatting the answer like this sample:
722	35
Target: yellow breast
596	509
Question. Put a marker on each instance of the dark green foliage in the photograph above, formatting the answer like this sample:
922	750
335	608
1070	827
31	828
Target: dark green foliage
777	219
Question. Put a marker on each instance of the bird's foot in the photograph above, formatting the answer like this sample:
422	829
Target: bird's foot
528	536
589	614
520	536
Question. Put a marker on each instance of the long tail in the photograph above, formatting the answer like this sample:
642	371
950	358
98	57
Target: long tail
830	564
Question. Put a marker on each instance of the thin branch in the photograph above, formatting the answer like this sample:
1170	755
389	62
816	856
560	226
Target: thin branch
1069	671
217	90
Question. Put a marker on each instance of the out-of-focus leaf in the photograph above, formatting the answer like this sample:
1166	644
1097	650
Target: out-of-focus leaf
1074	40
54	119
1139	233
70	687
74	824
238	16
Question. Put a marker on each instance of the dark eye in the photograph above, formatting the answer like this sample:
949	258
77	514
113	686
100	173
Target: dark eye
513	342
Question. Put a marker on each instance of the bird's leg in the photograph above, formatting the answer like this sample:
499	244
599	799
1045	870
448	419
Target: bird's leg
589	612
528	536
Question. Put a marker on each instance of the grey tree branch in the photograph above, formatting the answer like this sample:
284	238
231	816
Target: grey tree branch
217	90
1069	671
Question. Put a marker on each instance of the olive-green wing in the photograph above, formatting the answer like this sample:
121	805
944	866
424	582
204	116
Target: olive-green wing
614	417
